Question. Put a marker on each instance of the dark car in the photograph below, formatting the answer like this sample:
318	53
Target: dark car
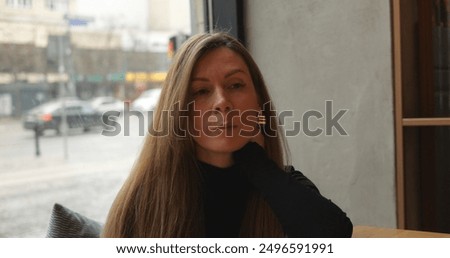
79	114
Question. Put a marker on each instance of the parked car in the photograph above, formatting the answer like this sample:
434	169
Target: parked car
105	104
147	101
80	114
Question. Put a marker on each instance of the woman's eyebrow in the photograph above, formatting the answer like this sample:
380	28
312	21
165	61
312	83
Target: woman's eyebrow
234	71
228	74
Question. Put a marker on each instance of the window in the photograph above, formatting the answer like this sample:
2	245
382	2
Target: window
81	168
20	3
56	5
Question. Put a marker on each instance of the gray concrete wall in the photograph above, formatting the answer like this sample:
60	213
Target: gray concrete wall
311	51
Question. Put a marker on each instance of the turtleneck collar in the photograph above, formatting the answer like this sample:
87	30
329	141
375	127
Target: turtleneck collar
225	199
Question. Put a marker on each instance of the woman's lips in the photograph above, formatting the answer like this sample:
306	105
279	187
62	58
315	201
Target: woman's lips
224	127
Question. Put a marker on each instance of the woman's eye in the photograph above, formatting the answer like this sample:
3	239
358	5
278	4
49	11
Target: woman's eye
237	85
201	92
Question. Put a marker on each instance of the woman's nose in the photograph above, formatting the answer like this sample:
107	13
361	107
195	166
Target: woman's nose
222	101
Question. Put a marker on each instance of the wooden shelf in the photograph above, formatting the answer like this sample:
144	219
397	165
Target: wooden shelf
435	121
368	231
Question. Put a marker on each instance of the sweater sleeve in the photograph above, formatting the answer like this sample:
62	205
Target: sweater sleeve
297	203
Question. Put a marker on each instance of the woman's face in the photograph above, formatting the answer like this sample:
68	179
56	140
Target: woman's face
225	106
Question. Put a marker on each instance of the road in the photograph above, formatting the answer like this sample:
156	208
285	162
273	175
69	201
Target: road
86	182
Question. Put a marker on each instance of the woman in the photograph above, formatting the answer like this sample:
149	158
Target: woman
212	166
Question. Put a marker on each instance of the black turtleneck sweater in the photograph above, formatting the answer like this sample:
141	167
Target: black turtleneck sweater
295	200
225	199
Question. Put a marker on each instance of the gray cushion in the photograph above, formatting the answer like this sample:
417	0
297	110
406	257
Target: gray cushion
65	223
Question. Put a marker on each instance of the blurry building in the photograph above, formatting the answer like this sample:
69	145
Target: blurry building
169	16
24	30
37	36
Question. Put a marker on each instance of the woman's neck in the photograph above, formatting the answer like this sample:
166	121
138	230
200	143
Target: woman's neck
221	160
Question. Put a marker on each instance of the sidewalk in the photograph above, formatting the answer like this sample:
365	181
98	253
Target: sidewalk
87	182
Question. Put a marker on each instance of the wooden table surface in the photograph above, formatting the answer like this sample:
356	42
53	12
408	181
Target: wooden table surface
367	232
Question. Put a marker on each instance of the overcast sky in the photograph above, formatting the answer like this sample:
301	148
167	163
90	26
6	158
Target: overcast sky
130	13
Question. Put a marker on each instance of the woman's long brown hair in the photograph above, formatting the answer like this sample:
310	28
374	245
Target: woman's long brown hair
162	196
